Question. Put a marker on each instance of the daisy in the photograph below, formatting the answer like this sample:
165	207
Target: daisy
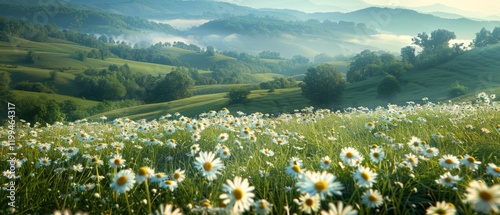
171	143
308	204
179	175
365	177
377	155
116	162
350	156
322	183
448	180
123	181
449	161
263	207
159	177
145	173
237	194
428	151
208	165
339	209
195	137
87	187
442	208
326	162
44	147
225	154
195	148
222	137
78	168
295	161
294	170
411	159
470	162
370	126
170	130
280	141
44	161
169	184
372	198
484	199
415	144
267	152
168	210
493	170
379	134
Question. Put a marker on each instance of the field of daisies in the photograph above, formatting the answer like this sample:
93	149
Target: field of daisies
422	158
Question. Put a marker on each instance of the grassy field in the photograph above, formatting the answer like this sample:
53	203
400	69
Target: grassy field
58	98
402	160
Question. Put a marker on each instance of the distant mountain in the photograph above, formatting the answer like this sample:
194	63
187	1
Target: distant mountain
445	11
408	22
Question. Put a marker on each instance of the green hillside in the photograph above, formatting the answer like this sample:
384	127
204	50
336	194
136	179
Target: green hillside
477	69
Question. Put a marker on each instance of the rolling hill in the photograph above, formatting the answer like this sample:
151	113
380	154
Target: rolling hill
476	69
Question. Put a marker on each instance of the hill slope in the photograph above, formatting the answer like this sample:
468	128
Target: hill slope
476	69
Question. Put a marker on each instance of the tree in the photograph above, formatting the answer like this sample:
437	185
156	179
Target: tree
408	54
483	38
175	85
437	39
31	57
237	95
364	65
6	95
388	88
210	51
323	85
456	89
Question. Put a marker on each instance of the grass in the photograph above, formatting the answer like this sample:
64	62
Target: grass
51	177
58	98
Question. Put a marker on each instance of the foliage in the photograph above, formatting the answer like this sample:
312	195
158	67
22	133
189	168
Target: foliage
485	37
323	85
279	83
388	88
175	85
408	54
456	89
237	95
34	87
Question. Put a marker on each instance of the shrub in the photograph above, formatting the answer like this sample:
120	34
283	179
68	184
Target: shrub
456	89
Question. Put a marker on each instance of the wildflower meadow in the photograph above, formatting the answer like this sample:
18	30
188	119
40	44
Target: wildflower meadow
421	158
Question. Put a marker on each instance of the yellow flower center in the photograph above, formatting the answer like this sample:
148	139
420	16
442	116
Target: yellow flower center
365	176
372	198
309	202
169	182
159	175
296	168
225	152
412	160
486	196
266	151
326	162
320	185
448	161
349	154
117	161
207	166
45	160
430	150
440	211
143	171
448	180
263	205
121	180
238	194
177	175
471	159
497	169
70	150
376	155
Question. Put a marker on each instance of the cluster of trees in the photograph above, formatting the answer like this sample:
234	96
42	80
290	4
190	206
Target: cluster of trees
485	37
272	27
369	64
323	85
86	20
279	83
119	82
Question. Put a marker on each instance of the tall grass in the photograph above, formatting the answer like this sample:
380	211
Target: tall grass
309	135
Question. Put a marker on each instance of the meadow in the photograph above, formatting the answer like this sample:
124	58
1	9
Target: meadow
439	158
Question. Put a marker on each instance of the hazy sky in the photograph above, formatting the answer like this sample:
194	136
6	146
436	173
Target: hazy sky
489	7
